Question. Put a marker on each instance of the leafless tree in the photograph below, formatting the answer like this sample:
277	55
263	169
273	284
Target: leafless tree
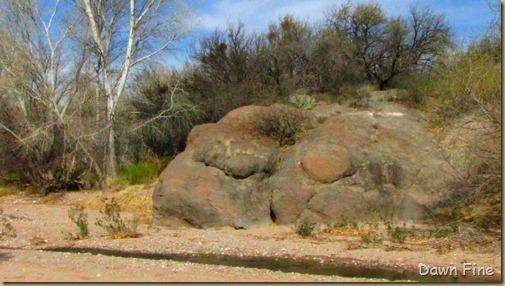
290	43
126	33
37	88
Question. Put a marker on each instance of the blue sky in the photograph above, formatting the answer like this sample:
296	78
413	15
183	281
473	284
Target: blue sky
469	18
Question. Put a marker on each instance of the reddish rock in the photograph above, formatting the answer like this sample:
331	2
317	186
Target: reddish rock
353	165
327	163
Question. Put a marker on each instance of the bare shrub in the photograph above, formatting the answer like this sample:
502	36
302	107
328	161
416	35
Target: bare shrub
115	226
80	218
6	228
280	123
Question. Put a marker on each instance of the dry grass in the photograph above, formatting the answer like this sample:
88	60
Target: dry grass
9	190
136	199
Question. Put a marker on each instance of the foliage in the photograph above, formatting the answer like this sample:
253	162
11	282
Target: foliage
370	237
466	82
230	71
78	216
280	122
162	112
384	47
8	190
465	87
289	43
143	172
112	222
305	228
10	184
303	101
6	228
357	95
397	234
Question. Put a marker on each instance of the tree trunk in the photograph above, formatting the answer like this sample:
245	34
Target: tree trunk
383	84
58	145
111	148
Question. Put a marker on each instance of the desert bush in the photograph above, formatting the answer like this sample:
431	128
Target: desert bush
305	228
468	82
397	234
143	172
112	222
6	228
78	216
10	183
357	95
280	123
302	101
466	88
370	237
162	111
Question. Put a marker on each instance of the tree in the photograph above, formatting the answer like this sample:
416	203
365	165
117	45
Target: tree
332	62
38	91
386	47
163	113
125	34
227	73
289	43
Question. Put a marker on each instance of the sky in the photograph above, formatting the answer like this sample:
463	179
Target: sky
468	18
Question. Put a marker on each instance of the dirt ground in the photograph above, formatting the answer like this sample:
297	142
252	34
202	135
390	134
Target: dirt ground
42	223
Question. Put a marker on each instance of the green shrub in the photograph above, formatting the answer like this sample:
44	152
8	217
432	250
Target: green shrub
112	222
8	190
397	234
302	101
465	87
10	184
365	91
80	218
143	172
357	96
305	228
370	237
280	123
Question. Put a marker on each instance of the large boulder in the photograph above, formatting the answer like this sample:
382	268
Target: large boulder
217	180
350	166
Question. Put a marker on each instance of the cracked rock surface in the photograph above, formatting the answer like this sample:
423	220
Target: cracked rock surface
355	165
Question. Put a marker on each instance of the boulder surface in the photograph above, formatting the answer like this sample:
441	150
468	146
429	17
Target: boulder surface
351	165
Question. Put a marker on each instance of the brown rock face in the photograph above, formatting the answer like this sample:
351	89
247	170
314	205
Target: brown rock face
327	163
354	166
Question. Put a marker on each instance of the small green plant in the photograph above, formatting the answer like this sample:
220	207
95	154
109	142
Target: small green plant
6	228
37	240
358	96
397	234
112	222
370	237
365	91
354	225
446	230
303	101
305	228
80	218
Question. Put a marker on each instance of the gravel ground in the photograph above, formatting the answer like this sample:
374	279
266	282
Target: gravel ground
39	226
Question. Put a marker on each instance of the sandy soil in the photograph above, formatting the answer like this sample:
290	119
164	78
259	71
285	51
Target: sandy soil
41	223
